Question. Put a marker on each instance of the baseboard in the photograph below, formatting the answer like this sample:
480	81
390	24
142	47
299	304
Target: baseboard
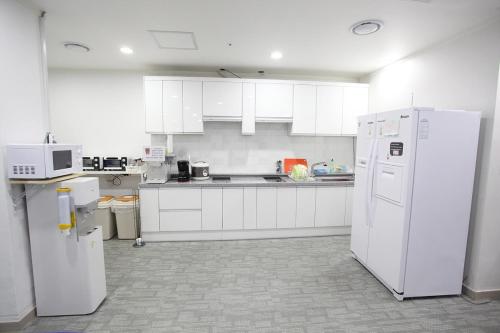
16	326
164	236
483	295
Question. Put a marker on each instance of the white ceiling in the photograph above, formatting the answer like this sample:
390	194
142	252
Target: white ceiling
313	35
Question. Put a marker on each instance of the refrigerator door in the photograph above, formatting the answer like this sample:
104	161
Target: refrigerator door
365	151
393	175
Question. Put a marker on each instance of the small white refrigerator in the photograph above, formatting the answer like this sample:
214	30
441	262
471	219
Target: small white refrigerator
412	198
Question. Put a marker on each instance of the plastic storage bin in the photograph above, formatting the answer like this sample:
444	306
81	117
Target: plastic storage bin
126	209
105	218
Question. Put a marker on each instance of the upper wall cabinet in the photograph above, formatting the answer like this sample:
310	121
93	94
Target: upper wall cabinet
304	109
248	112
179	105
153	106
173	106
329	101
328	109
355	104
222	101
192	114
273	102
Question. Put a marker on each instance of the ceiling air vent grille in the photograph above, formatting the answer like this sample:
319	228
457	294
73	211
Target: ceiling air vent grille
177	40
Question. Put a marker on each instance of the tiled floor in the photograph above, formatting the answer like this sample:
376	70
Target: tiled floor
288	285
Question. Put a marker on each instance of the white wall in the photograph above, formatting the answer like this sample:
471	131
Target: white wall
228	151
459	74
22	120
104	111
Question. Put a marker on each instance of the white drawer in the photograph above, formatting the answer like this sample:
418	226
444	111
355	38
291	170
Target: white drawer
180	198
178	220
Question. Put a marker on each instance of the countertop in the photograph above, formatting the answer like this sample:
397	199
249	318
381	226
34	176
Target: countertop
258	181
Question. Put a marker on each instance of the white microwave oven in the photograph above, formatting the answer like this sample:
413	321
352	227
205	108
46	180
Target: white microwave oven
38	161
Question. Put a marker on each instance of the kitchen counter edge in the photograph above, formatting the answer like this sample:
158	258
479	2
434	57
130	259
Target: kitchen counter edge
249	184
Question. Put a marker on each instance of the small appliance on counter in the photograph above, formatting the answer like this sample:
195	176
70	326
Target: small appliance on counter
91	163
45	160
200	170
114	164
156	168
184	171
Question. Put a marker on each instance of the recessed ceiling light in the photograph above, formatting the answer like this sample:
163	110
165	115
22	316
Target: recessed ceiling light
76	47
126	50
276	55
366	27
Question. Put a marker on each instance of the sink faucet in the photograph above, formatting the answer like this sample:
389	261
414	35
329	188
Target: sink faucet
279	169
313	165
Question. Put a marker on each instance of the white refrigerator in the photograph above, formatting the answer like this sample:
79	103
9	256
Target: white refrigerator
412	198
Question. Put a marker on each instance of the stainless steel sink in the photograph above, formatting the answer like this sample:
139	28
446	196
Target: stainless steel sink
274	179
221	179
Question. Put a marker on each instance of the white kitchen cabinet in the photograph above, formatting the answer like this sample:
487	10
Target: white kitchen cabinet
266	207
211	209
286	205
348	205
192	107
222	100
180	220
248	111
232	208
172	107
149	210
250	208
306	207
304	110
273	102
329	100
180	198
355	103
330	206
153	106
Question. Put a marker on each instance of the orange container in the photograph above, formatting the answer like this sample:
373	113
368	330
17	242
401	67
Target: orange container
290	162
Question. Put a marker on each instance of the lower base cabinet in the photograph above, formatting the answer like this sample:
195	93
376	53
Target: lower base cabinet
232	212
306	207
244	208
330	206
286	205
266	208
149	210
250	208
180	220
348	205
211	209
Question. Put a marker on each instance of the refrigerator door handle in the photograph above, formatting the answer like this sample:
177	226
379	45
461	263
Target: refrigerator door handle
369	182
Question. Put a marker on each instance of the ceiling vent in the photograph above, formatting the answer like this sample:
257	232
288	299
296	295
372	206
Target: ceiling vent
366	27
177	40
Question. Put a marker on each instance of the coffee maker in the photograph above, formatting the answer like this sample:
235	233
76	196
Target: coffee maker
184	171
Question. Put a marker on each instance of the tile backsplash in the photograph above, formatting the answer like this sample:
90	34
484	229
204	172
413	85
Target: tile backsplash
227	151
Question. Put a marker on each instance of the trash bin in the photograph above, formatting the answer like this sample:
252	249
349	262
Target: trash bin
105	218
126	209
